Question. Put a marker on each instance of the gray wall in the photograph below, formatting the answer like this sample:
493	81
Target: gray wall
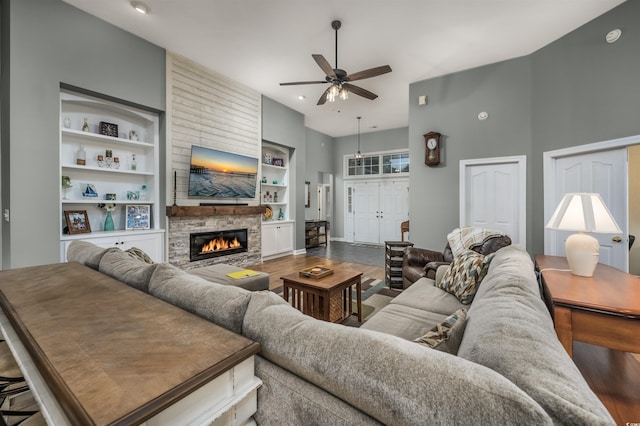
575	91
284	126
454	101
319	158
384	140
584	91
50	42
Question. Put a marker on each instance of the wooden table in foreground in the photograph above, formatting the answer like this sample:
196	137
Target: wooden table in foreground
603	310
96	351
328	298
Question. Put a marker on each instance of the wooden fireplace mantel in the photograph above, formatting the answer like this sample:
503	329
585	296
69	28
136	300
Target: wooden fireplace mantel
199	211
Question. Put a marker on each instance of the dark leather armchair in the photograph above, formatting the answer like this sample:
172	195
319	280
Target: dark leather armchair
418	262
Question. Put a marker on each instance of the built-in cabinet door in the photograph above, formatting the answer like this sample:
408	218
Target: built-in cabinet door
285	237
151	243
277	239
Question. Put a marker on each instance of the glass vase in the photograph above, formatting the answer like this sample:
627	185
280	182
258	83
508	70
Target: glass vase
108	222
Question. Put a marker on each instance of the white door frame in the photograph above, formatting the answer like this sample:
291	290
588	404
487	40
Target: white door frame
550	168
521	161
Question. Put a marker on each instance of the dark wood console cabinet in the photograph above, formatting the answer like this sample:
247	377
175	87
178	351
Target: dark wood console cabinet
315	233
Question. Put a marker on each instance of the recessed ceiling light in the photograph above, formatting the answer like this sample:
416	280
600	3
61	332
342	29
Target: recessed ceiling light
140	7
302	97
613	35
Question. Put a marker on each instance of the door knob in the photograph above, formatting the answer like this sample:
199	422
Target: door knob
616	239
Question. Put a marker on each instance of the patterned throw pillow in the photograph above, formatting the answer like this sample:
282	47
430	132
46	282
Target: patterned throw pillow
447	335
465	274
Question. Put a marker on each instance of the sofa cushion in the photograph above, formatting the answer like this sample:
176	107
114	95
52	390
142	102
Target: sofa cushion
403	321
86	253
464	275
222	304
509	330
447	335
123	267
424	295
383	375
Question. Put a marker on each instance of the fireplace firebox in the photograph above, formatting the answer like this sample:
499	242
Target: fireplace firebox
205	245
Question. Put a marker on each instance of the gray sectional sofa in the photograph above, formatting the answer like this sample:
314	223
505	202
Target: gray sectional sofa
510	368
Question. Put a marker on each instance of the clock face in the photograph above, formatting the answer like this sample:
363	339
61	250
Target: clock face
432	143
108	129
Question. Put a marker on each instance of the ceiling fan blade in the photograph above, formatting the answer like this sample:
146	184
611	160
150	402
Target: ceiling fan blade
323	98
295	83
359	91
372	72
324	64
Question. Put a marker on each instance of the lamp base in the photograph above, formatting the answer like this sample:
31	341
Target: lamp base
582	252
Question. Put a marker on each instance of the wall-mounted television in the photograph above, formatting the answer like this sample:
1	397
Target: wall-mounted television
221	174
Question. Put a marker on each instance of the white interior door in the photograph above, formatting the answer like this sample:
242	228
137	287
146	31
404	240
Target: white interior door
493	195
603	172
366	212
394	209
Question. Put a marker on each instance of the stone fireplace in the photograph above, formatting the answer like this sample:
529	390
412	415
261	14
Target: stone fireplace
205	245
183	221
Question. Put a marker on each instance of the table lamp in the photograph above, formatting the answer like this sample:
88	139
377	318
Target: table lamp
583	212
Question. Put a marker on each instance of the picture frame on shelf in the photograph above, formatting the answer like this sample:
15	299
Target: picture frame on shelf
278	162
77	221
138	216
108	129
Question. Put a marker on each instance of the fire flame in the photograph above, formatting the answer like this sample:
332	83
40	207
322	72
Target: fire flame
220	244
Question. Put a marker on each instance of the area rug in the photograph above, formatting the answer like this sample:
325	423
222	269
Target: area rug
375	296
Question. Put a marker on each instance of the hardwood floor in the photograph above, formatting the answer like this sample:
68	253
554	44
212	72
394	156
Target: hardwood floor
614	376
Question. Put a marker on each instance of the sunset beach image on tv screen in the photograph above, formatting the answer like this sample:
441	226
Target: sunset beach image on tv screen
215	173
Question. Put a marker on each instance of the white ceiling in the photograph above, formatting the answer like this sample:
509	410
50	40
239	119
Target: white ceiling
261	43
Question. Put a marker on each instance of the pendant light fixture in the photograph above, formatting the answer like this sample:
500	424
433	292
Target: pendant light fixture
358	155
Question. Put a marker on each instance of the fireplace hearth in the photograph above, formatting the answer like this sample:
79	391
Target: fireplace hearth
206	245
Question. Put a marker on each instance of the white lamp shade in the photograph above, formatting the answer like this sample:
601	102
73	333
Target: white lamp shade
583	212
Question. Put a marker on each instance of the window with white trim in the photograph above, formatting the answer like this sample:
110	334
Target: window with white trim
380	164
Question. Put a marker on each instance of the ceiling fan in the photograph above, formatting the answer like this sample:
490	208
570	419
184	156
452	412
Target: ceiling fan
339	79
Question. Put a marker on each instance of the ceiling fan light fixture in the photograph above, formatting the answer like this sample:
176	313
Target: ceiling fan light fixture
341	81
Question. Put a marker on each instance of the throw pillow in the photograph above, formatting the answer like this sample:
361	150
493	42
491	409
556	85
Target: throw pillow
447	335
465	274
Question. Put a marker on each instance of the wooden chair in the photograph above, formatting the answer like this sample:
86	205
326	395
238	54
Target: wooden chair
404	227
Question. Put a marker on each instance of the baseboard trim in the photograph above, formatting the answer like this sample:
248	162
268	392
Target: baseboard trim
300	251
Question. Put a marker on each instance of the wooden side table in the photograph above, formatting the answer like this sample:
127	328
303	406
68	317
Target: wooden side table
603	310
328	298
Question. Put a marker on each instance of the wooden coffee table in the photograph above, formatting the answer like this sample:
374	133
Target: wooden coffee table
603	310
328	298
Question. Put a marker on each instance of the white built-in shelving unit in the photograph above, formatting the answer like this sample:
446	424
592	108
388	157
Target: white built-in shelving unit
277	230
134	182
